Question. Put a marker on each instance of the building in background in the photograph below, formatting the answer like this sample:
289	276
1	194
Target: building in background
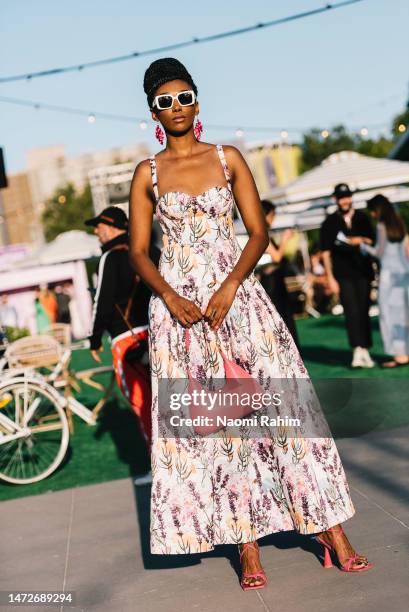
48	169
20	222
110	186
272	164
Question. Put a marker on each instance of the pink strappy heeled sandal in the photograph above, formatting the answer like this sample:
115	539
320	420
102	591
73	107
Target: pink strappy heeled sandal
259	574
347	566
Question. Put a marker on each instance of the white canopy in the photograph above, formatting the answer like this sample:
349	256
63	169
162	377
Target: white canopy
305	201
74	245
361	172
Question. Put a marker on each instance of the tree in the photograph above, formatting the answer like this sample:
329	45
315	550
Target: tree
318	144
67	210
402	119
316	147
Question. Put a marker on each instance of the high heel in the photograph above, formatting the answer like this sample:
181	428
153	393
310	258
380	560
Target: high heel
347	566
259	574
327	558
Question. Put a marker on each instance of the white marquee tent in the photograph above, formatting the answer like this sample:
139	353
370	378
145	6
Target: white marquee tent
304	201
74	245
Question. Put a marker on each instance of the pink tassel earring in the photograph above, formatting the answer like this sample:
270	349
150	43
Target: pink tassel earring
198	129
159	134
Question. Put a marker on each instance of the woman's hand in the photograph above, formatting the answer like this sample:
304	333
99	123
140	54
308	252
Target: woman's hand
94	354
186	311
220	302
357	240
287	235
333	286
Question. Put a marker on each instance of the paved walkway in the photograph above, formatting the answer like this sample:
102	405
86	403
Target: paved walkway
94	540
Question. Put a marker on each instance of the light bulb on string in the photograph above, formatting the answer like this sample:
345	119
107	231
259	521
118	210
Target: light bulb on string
364	131
91	118
401	128
284	134
325	133
143	125
239	133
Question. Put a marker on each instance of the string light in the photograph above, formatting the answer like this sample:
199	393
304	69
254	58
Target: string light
325	133
62	199
144	124
364	131
192	41
401	128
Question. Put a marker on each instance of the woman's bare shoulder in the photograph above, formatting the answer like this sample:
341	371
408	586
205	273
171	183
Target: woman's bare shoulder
142	172
232	153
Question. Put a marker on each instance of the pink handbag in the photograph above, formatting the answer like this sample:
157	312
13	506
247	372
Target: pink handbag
237	380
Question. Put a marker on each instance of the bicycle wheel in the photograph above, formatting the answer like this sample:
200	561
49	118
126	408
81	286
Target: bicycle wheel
34	432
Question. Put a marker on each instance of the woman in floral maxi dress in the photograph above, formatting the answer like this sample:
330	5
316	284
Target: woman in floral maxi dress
220	490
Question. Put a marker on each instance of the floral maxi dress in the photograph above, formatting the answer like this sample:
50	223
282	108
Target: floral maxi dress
220	490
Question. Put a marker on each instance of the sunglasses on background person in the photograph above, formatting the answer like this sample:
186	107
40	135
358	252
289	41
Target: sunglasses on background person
165	101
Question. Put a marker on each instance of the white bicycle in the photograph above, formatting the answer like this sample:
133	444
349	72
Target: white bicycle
34	427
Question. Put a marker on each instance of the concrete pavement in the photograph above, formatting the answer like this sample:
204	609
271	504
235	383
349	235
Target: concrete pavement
94	540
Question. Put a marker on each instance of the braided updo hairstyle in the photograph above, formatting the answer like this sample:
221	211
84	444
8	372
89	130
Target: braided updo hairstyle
163	70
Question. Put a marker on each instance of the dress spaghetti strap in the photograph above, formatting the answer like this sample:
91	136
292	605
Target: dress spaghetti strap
224	164
154	175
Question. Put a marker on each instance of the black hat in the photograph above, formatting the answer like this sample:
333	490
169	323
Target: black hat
113	215
163	70
342	190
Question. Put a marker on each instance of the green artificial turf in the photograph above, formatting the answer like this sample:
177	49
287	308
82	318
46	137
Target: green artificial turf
354	401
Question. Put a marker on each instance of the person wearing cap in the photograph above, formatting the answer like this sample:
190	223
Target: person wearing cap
121	308
349	270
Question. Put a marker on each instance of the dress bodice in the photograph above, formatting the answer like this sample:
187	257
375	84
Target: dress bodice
199	242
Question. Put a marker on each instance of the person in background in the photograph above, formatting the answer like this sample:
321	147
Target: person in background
392	249
349	270
8	313
318	294
43	320
121	308
272	276
63	304
49	302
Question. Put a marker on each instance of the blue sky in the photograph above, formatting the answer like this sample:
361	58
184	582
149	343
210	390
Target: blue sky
348	65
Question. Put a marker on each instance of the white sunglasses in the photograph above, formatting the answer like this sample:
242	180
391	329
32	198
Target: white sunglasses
165	101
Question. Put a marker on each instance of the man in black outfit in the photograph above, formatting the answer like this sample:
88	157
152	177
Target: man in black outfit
349	270
121	306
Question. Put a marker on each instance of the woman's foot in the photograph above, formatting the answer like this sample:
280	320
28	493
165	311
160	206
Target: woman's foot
335	537
250	564
399	360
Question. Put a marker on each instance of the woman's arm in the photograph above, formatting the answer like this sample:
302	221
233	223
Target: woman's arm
141	203
140	230
379	248
406	243
278	253
380	239
248	202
